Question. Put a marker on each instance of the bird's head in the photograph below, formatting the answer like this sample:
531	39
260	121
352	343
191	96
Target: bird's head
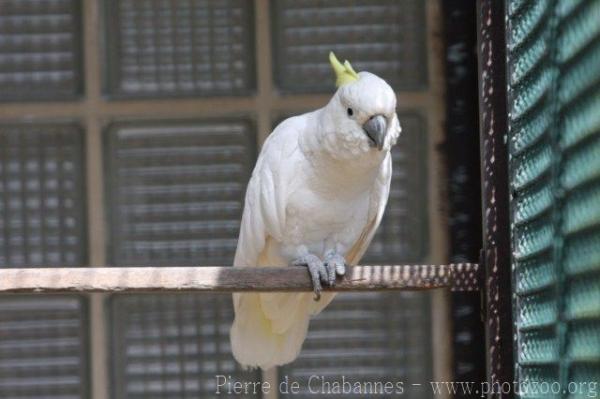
361	116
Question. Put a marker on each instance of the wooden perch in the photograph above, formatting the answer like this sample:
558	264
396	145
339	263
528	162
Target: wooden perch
458	277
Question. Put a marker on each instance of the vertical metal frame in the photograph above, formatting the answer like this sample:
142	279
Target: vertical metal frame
464	196
496	253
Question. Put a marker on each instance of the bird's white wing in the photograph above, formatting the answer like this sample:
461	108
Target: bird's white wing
266	196
269	328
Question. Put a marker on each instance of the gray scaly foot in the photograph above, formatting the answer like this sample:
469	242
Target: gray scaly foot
317	270
335	265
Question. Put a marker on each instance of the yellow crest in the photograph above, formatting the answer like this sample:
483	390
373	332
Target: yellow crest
344	73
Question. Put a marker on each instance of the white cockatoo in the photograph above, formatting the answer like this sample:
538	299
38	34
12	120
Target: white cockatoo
315	198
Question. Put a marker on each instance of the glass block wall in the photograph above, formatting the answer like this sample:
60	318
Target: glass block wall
41	195
137	151
176	194
40	50
172	346
43	347
176	190
384	37
554	70
180	48
42	223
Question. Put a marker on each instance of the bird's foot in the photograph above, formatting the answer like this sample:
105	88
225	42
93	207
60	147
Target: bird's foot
318	272
335	265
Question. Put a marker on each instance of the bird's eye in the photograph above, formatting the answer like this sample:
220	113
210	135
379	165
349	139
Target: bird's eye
350	112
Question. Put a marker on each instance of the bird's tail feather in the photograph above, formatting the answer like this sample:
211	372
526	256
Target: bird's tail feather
269	329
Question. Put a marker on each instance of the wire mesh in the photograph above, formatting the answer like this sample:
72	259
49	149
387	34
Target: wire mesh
578	95
554	60
40	50
385	37
179	48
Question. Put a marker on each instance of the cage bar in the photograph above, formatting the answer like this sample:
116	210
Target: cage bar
496	253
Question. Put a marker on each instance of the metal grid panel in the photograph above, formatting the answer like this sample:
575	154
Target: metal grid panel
402	235
41	195
40	49
555	147
172	346
366	337
43	353
531	71
385	37
179	48
176	191
579	98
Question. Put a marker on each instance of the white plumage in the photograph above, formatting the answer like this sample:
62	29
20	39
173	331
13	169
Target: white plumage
319	186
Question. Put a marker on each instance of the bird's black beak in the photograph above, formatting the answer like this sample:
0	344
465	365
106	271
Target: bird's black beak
375	128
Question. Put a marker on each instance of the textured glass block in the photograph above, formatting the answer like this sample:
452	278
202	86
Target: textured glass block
366	337
176	191
43	351
40	49
385	37
402	235
172	346
180	48
41	195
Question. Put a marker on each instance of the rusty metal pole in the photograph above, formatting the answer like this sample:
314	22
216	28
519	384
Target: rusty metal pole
464	196
496	254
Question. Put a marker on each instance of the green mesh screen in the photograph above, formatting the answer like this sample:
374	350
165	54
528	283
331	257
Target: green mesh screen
554	141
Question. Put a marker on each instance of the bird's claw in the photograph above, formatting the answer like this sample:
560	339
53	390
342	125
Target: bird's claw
317	270
336	265
322	272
